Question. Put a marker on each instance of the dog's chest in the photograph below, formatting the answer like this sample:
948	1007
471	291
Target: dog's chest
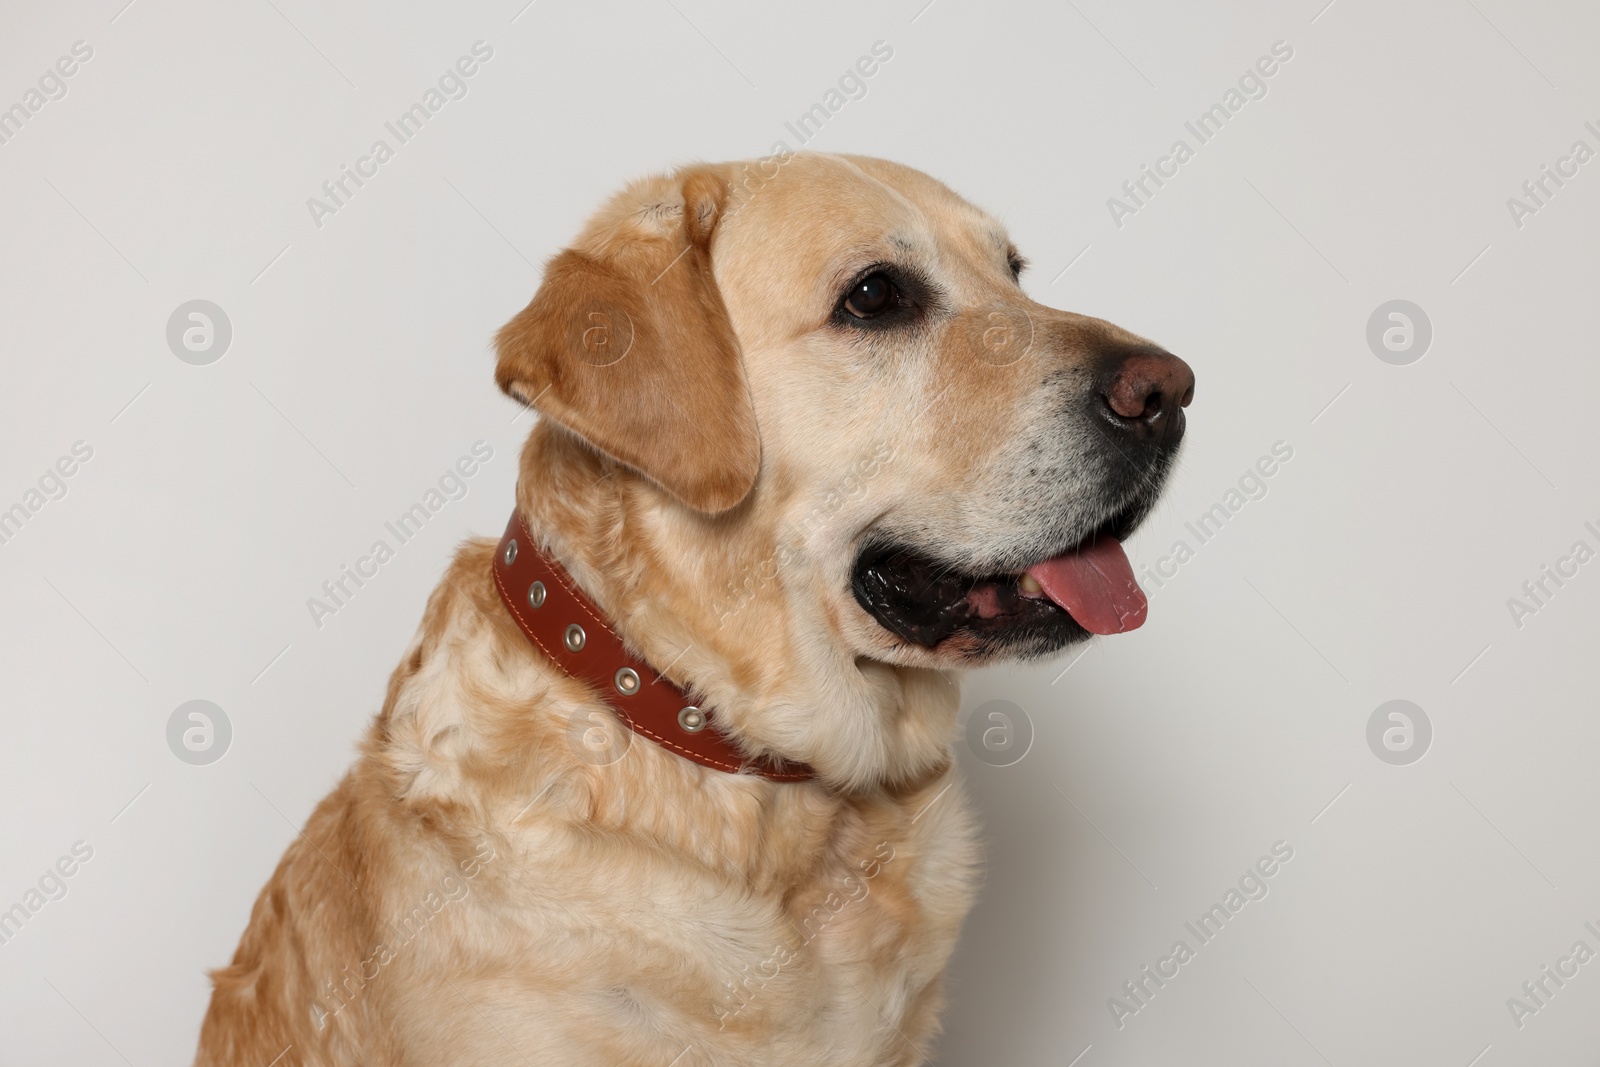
636	961
837	967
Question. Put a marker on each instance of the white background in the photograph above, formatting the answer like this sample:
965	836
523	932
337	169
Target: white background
1378	566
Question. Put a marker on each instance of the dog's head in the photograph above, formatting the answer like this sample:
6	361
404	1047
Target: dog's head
835	434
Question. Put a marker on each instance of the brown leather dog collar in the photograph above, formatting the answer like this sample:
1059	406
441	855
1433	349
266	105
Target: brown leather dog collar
566	626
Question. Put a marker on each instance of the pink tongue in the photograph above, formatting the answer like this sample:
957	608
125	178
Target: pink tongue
1095	585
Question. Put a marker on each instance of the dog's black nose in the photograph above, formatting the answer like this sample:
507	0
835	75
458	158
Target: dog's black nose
1144	392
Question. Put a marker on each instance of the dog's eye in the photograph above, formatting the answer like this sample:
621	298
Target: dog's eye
871	296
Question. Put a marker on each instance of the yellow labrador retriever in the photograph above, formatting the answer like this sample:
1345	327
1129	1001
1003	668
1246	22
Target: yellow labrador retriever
665	778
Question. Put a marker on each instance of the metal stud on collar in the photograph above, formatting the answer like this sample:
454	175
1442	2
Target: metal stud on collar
551	610
574	637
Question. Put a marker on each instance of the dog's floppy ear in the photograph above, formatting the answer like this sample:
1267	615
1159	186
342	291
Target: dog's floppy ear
627	344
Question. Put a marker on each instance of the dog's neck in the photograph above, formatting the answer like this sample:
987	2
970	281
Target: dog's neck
574	633
698	597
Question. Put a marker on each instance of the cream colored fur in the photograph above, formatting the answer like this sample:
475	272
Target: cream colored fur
481	889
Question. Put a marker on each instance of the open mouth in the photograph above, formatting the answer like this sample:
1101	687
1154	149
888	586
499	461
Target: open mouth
1036	609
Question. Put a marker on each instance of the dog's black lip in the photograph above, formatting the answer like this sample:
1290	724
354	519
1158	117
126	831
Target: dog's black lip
1036	626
